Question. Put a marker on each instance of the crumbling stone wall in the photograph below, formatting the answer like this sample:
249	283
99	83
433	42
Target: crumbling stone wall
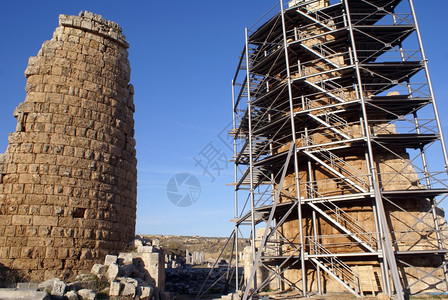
68	177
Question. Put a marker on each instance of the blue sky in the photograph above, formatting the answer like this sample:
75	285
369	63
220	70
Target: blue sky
183	55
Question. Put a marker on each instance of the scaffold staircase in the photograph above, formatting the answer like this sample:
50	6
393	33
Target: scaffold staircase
321	86
347	224
336	268
322	52
317	17
336	165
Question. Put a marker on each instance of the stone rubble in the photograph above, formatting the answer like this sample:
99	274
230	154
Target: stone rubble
139	275
134	274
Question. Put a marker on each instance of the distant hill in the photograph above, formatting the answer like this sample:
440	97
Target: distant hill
211	246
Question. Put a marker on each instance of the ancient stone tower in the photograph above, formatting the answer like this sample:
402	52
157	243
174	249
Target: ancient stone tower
339	152
68	177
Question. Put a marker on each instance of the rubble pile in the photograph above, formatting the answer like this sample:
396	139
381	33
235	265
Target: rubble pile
137	274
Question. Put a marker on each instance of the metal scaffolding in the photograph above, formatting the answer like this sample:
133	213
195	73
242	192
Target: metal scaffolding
339	153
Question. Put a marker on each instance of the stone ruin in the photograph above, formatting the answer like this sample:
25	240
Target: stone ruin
137	273
195	258
68	177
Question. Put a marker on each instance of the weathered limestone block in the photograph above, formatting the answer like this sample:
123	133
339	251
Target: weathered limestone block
113	271
152	267
145	249
48	284
71	295
87	294
86	283
99	269
23	294
130	287
58	289
261	273
115	288
70	167
145	292
125	258
110	259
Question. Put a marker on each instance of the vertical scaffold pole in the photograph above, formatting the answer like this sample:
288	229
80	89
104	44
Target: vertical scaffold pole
385	236
296	164
235	189
251	163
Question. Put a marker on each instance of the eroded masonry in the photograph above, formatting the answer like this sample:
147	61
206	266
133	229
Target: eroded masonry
68	176
339	153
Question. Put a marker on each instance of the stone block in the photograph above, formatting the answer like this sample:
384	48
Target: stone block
145	292
110	259
83	284
5	220
83	277
130	287
28	285
136	243
152	265
52	264
45	221
87	294
115	288
47	285
125	258
71	295
112	272
24	263
21	220
23	294
26	252
58	288
145	249
99	269
129	290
